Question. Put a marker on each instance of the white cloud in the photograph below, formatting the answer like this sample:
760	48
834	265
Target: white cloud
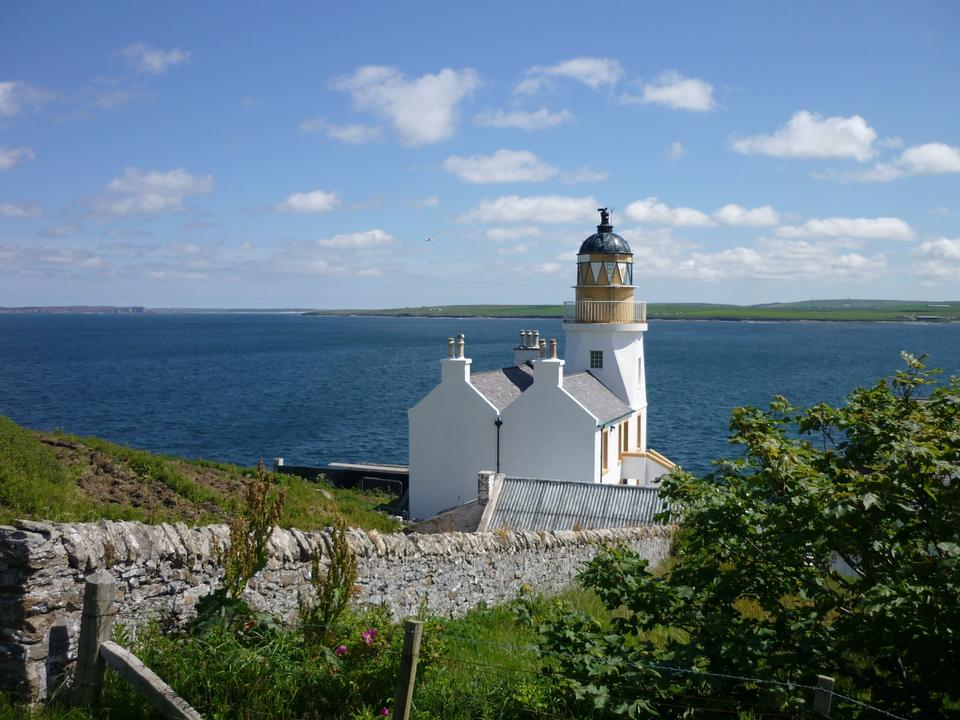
659	253
422	111
10	157
50	261
502	234
537	208
429	202
927	159
537	120
506	166
591	71
938	260
152	192
678	92
357	240
503	166
16	95
516	248
310	203
151	60
881	228
352	133
584	174
734	214
652	211
20	211
808	135
676	151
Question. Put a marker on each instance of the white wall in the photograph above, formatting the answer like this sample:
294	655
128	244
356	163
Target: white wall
452	437
548	434
623	361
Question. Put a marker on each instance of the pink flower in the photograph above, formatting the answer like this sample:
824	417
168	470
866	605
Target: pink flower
383	711
341	650
368	635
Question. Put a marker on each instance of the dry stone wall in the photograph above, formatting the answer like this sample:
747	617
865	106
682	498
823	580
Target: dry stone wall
164	569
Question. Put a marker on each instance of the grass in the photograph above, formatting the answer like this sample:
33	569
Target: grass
65	478
33	483
838	310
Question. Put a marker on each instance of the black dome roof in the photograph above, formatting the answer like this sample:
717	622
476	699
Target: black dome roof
604	240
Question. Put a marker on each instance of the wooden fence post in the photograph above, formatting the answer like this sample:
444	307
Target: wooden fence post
823	695
95	624
413	629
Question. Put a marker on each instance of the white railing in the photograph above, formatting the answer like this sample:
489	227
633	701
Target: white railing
604	311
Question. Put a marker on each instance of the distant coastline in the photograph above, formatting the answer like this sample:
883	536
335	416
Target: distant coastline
73	309
811	310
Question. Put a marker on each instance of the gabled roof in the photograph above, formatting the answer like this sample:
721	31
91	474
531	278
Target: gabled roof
501	387
531	504
595	397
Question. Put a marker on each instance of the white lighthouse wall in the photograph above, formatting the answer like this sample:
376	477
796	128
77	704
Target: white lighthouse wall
623	369
452	438
546	433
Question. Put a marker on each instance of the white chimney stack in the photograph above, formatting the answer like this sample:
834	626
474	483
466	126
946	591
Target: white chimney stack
455	367
549	370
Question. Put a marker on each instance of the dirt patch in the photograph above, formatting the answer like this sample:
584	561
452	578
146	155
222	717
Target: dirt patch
109	482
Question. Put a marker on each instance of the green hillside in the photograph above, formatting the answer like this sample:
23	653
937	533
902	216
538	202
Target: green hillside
877	310
65	478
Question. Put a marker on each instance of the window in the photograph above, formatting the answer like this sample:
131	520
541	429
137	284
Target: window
639	432
604	439
625	437
596	359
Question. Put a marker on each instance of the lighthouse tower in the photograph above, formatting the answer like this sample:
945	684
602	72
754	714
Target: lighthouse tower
604	326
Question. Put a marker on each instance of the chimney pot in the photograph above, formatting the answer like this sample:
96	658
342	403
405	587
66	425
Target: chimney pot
553	349
460	344
536	338
450	348
543	348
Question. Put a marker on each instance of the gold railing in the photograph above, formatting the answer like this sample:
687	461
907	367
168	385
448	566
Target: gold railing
604	311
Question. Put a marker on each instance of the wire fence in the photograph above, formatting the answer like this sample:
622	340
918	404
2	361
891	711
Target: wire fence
517	659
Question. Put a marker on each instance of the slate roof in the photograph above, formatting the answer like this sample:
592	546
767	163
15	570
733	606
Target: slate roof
531	504
595	397
501	387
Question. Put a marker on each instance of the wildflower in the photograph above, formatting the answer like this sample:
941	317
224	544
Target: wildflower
368	635
383	711
341	650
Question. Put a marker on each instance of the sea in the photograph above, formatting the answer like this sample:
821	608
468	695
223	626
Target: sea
311	389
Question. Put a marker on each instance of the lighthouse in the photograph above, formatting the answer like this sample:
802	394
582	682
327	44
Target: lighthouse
604	325
579	419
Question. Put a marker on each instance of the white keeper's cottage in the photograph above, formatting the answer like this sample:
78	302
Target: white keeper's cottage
581	419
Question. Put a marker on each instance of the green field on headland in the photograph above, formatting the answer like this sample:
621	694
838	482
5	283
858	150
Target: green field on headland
838	310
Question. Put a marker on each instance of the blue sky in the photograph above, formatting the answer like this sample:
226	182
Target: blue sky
300	154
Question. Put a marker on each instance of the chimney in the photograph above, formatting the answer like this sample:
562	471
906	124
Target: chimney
484	484
455	367
543	348
549	370
527	350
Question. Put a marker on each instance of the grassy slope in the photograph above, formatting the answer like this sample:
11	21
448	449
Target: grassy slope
53	476
808	310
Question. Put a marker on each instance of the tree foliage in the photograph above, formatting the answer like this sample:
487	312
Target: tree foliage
830	547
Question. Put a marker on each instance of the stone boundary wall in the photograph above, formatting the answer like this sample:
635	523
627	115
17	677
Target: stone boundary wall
164	569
